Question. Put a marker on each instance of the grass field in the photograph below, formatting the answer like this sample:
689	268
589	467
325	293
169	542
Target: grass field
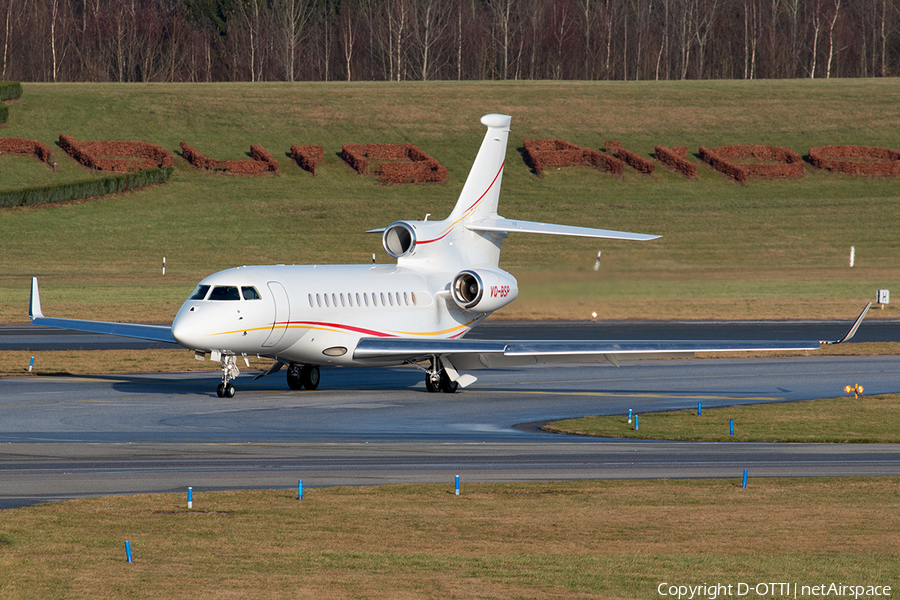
528	540
769	249
868	419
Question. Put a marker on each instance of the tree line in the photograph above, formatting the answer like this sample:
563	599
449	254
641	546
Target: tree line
397	40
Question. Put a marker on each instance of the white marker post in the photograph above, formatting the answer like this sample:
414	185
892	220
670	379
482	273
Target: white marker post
164	265
852	255
190	497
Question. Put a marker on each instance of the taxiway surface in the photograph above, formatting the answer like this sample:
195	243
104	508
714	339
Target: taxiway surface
64	437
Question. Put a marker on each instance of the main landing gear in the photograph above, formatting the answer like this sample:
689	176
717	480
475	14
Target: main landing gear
437	380
303	376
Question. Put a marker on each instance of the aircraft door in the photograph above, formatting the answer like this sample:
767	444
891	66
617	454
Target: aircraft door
282	314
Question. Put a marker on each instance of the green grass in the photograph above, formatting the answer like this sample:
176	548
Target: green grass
769	249
525	540
872	419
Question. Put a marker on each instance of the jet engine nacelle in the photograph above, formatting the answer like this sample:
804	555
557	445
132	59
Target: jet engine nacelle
399	239
483	290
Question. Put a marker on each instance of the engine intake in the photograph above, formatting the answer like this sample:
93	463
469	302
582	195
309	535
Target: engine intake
399	239
483	290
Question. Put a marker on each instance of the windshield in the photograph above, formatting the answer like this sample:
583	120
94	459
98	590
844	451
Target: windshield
225	292
250	293
200	292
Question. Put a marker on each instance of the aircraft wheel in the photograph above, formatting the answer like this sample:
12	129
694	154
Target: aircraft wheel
295	377
220	390
229	391
309	375
447	386
432	382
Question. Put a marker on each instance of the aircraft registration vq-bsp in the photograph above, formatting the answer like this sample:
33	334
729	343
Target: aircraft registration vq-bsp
446	281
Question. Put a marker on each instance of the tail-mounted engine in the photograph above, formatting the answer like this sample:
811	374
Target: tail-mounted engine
399	239
483	290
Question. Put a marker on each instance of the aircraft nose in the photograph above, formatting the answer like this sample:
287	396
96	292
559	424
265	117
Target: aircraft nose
195	325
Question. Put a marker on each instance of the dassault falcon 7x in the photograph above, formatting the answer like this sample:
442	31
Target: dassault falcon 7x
446	281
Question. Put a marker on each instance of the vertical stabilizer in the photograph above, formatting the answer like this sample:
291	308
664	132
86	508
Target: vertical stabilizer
481	192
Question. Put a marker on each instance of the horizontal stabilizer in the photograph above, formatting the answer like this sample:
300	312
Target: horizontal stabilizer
516	226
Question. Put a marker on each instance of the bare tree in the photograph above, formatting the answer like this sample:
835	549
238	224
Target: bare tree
251	13
504	20
752	34
291	18
834	18
432	23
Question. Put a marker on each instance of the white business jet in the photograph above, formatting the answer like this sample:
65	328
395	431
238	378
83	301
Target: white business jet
445	282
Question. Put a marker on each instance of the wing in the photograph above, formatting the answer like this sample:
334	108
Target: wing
481	354
156	333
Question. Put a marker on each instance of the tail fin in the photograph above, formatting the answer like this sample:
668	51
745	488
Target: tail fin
481	192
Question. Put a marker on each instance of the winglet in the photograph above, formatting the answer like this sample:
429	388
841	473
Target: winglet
34	307
853	329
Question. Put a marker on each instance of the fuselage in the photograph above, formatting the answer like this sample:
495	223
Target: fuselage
316	314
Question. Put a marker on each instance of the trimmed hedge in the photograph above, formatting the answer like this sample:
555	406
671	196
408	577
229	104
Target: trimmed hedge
637	162
833	158
20	146
676	158
540	154
68	192
411	165
790	164
307	156
140	155
260	162
10	90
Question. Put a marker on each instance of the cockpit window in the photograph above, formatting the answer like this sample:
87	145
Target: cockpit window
225	292
250	293
200	292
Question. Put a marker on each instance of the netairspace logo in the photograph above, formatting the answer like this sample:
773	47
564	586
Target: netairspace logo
772	590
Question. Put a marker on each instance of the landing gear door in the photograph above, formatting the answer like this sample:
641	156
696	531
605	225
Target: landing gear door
282	314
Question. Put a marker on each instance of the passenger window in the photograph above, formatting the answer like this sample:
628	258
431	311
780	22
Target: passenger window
250	293
326	301
319	300
383	303
366	298
357	299
405	299
310	301
200	292
413	294
225	292
342	300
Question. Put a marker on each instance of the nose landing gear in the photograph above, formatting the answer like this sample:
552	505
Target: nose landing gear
230	372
